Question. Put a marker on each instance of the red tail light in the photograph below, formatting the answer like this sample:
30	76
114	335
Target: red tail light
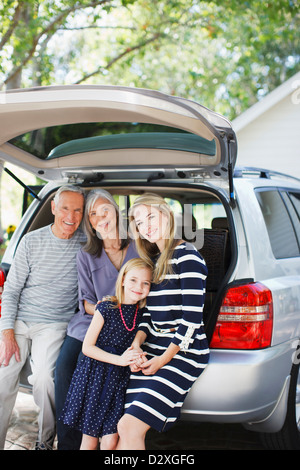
245	319
2	280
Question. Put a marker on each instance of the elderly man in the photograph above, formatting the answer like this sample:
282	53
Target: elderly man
39	298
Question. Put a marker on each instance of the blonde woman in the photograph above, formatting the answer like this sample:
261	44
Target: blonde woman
171	332
96	396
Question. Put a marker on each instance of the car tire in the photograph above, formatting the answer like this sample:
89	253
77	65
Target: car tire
288	438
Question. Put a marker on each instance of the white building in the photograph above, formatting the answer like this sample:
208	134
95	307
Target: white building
268	133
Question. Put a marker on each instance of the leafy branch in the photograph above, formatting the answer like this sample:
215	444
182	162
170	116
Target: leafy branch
120	56
11	27
48	31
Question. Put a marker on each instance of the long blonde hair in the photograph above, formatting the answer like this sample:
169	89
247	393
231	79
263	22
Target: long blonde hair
133	263
149	250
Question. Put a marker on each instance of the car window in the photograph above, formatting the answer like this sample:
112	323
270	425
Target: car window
279	224
295	198
293	213
206	213
58	141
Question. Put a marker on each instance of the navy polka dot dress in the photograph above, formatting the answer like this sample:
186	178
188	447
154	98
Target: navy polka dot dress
95	400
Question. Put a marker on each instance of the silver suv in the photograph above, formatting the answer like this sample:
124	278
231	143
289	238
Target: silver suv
245	222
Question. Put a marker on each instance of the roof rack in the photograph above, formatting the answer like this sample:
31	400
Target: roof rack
239	172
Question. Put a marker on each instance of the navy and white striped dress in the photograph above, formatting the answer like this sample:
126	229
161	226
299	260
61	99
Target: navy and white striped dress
174	314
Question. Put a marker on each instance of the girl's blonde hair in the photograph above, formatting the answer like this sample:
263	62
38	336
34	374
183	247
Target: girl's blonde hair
134	263
149	250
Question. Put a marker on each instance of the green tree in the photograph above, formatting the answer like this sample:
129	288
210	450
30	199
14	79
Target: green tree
224	54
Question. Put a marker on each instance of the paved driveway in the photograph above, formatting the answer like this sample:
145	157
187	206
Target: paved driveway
184	436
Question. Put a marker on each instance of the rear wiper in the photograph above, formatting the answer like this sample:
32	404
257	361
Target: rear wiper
22	184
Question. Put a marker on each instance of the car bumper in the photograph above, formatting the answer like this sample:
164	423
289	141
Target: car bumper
241	386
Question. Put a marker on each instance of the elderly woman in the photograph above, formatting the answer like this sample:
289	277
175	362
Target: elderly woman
107	248
171	333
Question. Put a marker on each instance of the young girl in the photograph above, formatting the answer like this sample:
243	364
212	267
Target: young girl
96	396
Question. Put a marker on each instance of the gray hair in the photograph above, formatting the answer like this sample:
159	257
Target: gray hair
94	244
62	189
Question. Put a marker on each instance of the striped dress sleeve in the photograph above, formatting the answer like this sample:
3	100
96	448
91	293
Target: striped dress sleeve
192	272
145	323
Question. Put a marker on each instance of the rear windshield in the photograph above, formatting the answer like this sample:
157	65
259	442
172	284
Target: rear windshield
57	141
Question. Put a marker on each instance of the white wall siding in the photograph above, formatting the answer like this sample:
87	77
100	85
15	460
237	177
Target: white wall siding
269	133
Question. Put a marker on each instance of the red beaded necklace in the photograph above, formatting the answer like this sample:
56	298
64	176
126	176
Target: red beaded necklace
134	320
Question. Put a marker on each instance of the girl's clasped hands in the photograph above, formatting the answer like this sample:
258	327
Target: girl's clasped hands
146	366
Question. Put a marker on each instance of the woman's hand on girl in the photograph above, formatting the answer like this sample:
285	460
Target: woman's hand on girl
152	366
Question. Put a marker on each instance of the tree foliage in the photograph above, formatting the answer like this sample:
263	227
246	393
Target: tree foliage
225	55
